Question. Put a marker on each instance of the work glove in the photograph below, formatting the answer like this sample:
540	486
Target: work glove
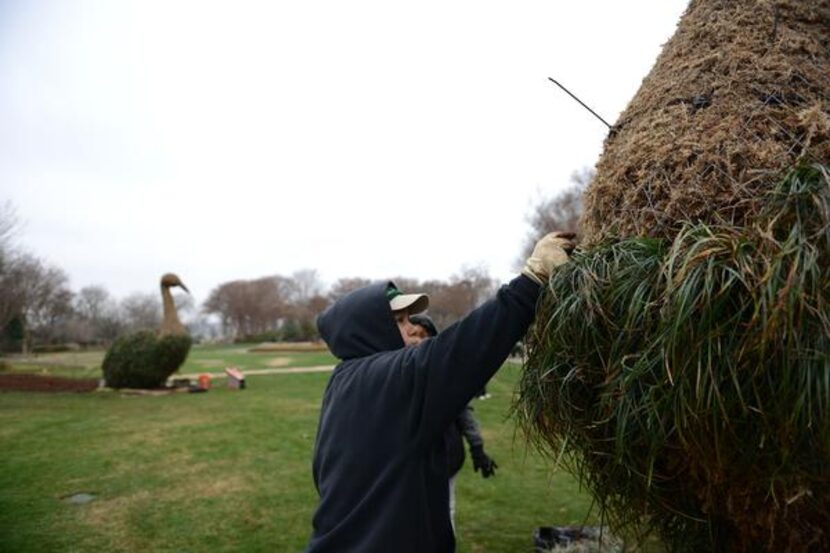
483	462
550	252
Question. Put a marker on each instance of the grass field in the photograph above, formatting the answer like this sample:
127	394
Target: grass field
226	470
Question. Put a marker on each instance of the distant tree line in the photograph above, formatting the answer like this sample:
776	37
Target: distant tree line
283	308
272	308
38	310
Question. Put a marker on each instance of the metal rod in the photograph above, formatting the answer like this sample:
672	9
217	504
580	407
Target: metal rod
551	79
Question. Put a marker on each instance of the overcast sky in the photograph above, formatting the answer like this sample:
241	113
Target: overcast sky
242	139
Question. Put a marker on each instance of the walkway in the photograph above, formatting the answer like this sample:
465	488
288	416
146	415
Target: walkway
254	372
284	370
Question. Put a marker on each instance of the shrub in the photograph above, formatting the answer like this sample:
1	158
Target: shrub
142	360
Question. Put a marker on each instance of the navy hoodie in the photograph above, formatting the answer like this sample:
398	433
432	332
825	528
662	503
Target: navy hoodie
380	462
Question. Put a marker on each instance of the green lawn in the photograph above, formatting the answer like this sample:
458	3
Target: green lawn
227	470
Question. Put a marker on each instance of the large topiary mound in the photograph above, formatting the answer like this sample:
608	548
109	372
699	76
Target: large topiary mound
681	361
686	381
143	360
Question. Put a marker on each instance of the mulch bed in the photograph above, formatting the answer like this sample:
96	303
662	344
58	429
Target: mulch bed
38	383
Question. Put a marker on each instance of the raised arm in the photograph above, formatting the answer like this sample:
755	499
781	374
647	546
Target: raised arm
449	369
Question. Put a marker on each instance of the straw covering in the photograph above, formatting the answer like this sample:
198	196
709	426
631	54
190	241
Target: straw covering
740	93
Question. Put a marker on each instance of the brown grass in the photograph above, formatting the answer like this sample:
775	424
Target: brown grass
738	95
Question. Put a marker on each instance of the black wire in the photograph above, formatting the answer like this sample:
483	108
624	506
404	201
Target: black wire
580	102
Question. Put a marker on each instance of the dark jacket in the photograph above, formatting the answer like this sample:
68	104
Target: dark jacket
464	425
380	463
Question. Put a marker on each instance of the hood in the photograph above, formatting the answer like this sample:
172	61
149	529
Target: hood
360	323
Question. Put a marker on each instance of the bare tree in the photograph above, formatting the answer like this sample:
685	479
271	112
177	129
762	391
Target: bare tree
267	305
10	301
306	302
33	293
51	308
97	314
561	211
291	305
184	304
248	307
203	327
220	302
451	300
91	302
345	285
303	285
40	296
478	284
140	311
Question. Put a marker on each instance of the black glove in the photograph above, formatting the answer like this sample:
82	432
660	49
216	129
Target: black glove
481	461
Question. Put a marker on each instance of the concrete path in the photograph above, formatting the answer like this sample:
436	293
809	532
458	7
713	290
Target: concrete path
283	370
254	372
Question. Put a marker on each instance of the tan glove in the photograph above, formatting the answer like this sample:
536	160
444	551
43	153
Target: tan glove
550	252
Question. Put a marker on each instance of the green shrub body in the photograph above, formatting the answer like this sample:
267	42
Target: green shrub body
688	383
142	360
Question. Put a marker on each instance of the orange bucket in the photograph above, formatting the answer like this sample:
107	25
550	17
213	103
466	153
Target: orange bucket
204	381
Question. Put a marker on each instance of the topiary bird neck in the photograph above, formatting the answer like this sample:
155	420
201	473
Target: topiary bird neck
170	323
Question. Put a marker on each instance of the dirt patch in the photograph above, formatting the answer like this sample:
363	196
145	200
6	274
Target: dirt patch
279	362
39	383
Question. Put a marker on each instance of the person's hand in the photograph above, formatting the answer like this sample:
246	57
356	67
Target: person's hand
483	462
550	252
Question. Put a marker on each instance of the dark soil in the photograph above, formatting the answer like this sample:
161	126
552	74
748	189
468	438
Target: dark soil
38	383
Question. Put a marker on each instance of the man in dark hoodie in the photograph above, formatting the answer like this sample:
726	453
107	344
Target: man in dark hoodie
464	425
380	461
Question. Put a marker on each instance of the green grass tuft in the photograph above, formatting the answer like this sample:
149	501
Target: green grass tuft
687	384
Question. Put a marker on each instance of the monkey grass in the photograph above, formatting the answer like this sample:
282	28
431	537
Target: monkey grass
687	383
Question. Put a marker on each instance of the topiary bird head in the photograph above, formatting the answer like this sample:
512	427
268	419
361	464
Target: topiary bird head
169	280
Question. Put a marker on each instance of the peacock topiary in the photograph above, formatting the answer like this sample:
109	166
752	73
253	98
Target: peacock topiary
146	359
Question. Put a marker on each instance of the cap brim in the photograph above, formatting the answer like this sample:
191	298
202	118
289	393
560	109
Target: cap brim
413	303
